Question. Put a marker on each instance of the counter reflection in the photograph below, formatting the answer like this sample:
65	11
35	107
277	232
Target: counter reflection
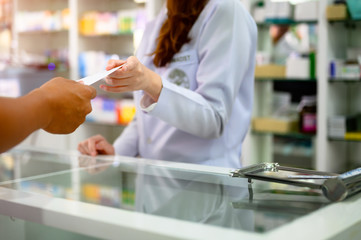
147	187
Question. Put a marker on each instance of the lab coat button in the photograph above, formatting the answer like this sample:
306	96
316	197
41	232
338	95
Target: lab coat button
149	140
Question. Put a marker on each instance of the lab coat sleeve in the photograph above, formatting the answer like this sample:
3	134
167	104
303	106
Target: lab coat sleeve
224	50
127	143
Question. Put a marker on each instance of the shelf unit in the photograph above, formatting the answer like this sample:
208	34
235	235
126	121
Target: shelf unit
71	39
261	146
343	94
285	80
5	30
344	80
295	135
36	42
267	23
121	44
334	97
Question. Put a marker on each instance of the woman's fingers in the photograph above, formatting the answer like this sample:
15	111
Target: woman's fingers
132	62
89	146
115	89
114	63
104	147
129	78
115	81
82	149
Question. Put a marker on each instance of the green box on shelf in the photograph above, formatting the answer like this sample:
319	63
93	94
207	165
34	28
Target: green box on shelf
354	7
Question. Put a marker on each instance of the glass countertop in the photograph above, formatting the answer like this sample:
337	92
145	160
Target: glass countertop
183	191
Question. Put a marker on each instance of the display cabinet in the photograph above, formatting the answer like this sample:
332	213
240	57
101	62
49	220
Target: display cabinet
51	194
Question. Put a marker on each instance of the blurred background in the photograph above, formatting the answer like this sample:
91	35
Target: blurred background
307	79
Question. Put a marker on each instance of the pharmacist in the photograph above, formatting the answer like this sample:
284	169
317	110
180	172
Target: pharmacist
192	78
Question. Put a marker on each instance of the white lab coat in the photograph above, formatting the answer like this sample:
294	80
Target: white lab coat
204	108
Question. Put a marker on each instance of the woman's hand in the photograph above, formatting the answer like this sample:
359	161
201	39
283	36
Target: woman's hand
93	165
133	76
96	145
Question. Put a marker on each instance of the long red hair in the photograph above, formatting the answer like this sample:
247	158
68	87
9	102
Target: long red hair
182	14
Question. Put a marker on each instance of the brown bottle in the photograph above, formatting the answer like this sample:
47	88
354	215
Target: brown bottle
308	114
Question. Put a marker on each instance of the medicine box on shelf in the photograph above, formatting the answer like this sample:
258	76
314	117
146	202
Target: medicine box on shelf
270	71
336	12
274	125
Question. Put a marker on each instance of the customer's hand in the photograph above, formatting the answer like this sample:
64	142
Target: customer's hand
66	103
96	145
131	77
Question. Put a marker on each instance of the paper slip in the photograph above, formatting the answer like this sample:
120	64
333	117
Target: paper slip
98	76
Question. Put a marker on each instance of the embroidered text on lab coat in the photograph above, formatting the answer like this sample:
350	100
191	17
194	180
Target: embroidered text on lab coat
181	59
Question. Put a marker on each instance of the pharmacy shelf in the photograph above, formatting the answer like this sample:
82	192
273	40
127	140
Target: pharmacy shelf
344	80
341	96
267	23
43	32
266	79
126	34
4	26
327	154
347	22
98	123
343	140
72	40
295	135
40	30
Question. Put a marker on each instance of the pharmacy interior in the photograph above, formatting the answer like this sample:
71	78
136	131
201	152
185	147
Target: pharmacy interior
306	121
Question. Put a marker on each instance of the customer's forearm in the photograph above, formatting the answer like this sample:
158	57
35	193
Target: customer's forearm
20	117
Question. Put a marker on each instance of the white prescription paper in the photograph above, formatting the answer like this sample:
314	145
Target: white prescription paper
98	76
